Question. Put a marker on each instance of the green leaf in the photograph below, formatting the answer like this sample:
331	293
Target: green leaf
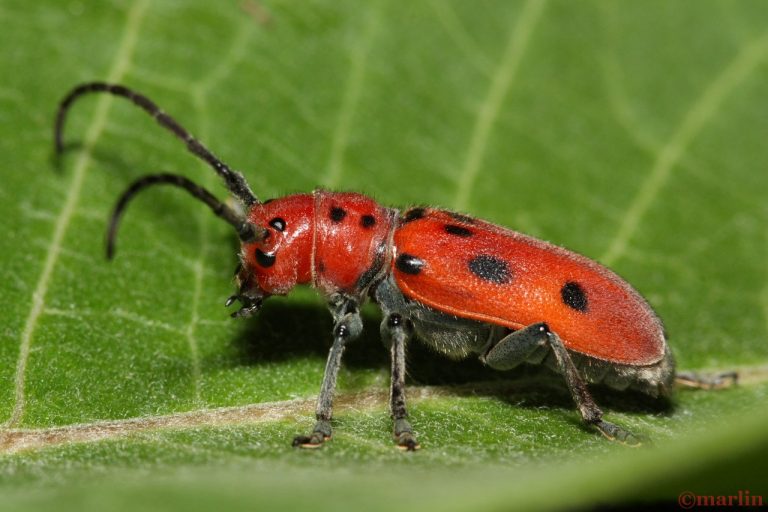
631	132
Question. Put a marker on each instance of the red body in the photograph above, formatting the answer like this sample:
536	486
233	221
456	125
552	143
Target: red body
458	265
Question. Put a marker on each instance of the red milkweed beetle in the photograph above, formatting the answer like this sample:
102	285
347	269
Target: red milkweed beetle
462	285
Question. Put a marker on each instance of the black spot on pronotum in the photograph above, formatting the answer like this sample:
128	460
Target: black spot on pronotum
460	217
409	264
278	223
490	268
337	214
367	221
265	260
414	214
453	229
367	277
573	296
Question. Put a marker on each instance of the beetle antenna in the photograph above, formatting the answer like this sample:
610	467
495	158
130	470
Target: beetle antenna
233	179
246	231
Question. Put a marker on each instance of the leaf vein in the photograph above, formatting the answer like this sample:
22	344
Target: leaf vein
119	68
17	440
700	112
499	88
349	102
461	38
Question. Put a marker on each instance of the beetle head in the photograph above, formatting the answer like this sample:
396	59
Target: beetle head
280	258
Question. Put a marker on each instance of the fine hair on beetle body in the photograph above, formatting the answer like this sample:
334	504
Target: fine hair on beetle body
460	285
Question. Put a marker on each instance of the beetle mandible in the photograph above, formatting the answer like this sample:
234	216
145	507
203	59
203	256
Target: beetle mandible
461	285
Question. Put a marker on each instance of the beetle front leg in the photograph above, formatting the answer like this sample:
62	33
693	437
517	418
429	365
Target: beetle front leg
347	326
397	330
533	342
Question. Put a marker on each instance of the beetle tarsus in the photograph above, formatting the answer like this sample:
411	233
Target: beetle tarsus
407	442
616	433
250	305
404	436
321	433
245	312
696	381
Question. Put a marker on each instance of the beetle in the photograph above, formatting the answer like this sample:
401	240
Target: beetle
461	285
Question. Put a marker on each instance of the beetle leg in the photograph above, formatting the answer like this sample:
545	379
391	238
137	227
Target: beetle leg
396	331
529	343
526	345
347	326
718	381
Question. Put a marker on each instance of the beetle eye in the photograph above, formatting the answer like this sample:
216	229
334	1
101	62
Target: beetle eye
278	223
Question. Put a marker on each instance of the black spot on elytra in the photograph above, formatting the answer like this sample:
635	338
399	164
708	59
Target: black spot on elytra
278	223
460	217
573	296
320	267
453	229
265	260
367	221
409	264
337	214
414	214
490	268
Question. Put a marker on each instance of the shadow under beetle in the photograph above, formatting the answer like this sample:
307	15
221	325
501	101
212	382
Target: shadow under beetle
461	285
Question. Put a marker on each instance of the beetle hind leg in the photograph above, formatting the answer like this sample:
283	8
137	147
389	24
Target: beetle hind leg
613	432
532	344
696	381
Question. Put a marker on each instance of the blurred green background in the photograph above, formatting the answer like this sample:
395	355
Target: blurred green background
632	132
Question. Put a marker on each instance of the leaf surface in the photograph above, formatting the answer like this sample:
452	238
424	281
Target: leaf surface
634	134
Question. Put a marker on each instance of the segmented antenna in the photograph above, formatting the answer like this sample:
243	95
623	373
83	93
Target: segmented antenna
233	179
245	230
